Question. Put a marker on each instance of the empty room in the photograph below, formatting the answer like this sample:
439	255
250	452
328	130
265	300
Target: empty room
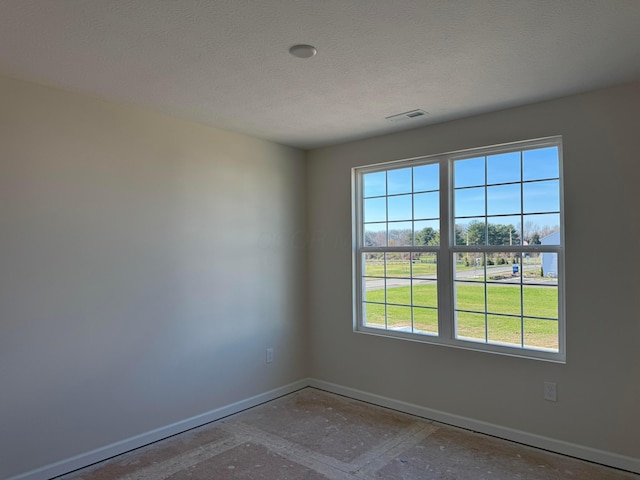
322	239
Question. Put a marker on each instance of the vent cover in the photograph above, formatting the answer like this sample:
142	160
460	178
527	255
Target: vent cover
411	115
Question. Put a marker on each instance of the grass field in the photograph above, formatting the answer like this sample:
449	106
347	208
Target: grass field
500	299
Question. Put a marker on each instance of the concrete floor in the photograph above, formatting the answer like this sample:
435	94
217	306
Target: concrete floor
316	435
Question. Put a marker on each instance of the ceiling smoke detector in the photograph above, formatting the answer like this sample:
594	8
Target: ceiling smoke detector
411	115
303	51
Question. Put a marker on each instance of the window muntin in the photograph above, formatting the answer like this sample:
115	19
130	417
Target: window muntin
497	281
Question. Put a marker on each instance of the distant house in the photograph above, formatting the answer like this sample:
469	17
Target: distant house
550	260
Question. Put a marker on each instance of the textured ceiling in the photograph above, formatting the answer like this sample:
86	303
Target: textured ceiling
226	63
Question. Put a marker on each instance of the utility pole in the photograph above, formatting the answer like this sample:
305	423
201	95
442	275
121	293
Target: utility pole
467	249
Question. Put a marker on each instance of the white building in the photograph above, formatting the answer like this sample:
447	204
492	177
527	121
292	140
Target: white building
550	260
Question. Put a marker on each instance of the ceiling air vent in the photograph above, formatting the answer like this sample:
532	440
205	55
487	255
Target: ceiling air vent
412	115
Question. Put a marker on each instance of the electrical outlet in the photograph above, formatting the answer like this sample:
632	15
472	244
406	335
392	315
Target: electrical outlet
551	391
269	354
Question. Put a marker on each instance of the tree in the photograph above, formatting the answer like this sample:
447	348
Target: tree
547	230
535	239
499	234
475	233
374	239
460	235
533	233
400	237
427	236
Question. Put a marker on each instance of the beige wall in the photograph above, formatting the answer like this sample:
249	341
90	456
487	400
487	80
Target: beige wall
599	387
147	263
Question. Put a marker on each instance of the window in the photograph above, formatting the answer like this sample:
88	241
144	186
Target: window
464	249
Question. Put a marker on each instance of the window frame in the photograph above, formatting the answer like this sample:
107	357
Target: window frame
446	250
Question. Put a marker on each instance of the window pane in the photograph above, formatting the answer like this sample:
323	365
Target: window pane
471	232
469	202
373	281
503	168
373	289
540	301
498	269
541	196
375	184
504	298
503	200
504	267
549	265
399	318
468	173
460	228
469	296
399	291
373	315
400	207
541	334
399	181
426	205
426	177
373	264
400	234
532	268
425	293
542	229
425	321
503	330
470	326
427	232
424	265
540	163
375	210
469	266
504	230
398	264
375	235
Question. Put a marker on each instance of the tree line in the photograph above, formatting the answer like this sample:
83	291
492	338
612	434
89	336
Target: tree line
474	233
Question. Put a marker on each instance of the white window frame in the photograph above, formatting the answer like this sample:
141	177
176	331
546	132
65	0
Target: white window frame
446	250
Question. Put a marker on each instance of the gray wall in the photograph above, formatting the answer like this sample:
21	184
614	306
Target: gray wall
599	387
146	265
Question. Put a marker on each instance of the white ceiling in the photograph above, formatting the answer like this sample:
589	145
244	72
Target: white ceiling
225	63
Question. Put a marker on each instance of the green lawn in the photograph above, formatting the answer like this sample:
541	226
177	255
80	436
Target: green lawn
425	319
501	299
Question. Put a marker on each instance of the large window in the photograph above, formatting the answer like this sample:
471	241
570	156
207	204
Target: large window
464	249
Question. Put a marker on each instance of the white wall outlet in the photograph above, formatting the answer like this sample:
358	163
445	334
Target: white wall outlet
269	354
551	391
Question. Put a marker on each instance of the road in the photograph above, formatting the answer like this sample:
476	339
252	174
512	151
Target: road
378	283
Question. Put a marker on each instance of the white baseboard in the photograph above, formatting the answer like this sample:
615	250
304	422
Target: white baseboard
566	448
88	458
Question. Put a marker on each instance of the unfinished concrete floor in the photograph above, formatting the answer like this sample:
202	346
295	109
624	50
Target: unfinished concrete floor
315	435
